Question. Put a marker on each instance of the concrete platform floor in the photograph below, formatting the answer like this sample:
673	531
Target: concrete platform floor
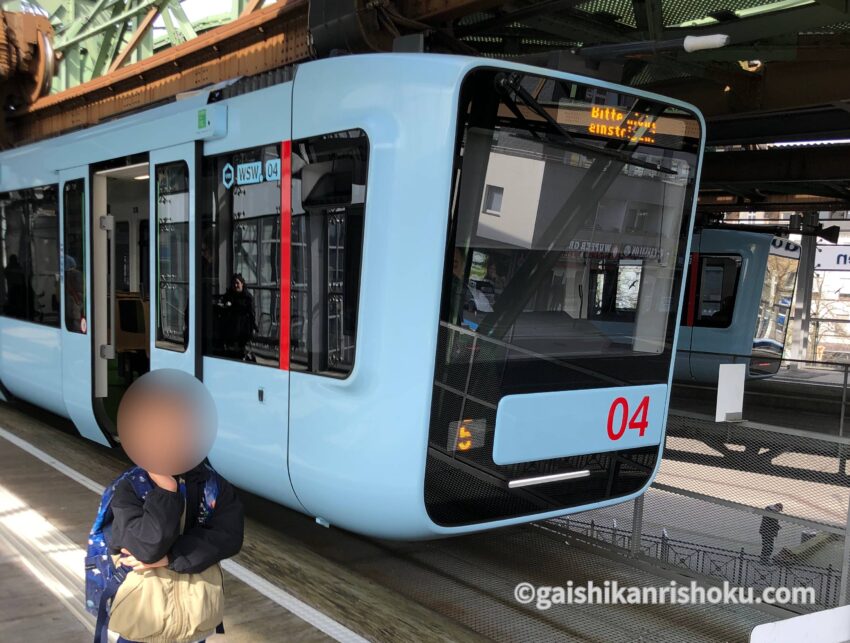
458	589
56	513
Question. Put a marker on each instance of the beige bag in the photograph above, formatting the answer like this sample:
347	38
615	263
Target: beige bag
163	606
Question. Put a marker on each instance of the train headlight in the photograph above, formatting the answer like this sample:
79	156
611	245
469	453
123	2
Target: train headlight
466	435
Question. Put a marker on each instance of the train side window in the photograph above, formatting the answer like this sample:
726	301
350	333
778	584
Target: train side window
172	255
29	288
75	260
615	290
328	202
240	255
718	282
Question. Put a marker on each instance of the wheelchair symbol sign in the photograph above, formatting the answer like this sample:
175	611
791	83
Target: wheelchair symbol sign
227	176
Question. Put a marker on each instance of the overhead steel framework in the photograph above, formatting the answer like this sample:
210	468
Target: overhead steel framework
259	40
785	74
95	37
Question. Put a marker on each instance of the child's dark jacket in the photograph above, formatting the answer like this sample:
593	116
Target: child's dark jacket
150	529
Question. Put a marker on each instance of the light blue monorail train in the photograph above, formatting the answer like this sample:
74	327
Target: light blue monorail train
737	306
308	250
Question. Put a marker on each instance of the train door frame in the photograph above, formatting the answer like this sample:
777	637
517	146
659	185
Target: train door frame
102	259
252	399
77	363
190	358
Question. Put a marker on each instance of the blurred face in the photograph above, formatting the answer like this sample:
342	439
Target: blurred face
237	285
166	422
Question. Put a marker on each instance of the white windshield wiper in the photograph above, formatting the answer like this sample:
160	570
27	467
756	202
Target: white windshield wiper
508	84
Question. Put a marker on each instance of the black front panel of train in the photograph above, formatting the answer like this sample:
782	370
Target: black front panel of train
466	486
563	272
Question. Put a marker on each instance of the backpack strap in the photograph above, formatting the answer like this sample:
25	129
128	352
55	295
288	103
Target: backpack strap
101	628
106	499
212	487
142	486
141	482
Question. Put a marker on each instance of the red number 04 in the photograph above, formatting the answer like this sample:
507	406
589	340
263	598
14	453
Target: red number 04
638	420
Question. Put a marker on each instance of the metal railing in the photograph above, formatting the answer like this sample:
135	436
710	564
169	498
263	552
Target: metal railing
705	511
739	567
817	388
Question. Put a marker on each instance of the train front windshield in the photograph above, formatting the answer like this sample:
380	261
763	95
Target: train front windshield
563	271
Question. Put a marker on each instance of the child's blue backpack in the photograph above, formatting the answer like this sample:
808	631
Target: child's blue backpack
102	577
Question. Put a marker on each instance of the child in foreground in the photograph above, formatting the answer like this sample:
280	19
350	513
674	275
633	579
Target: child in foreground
152	567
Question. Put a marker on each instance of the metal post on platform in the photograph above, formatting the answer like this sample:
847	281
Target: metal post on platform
845	561
843	404
803	300
637	525
741	560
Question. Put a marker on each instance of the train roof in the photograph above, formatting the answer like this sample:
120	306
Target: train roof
177	121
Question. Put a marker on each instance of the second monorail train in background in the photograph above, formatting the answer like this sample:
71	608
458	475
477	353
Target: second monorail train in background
738	298
429	294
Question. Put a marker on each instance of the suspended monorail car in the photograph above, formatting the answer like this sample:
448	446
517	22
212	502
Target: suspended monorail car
738	296
308	251
739	290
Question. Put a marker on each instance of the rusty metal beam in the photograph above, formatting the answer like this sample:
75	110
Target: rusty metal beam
266	39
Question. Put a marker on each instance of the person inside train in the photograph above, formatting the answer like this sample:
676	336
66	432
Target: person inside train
20	299
496	275
460	294
167	522
242	316
723	315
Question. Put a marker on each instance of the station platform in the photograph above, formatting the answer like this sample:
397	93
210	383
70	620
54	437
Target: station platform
804	400
296	580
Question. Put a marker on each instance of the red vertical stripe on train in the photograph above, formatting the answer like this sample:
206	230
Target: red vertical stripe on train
691	295
285	249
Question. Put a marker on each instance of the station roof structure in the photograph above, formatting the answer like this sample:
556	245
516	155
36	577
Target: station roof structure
783	77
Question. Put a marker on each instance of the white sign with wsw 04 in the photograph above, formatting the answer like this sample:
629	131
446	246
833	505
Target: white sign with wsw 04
250	173
832	258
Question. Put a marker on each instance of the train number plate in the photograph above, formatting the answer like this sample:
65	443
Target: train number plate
560	424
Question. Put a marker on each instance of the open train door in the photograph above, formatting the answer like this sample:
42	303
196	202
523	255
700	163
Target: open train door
174	328
75	222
